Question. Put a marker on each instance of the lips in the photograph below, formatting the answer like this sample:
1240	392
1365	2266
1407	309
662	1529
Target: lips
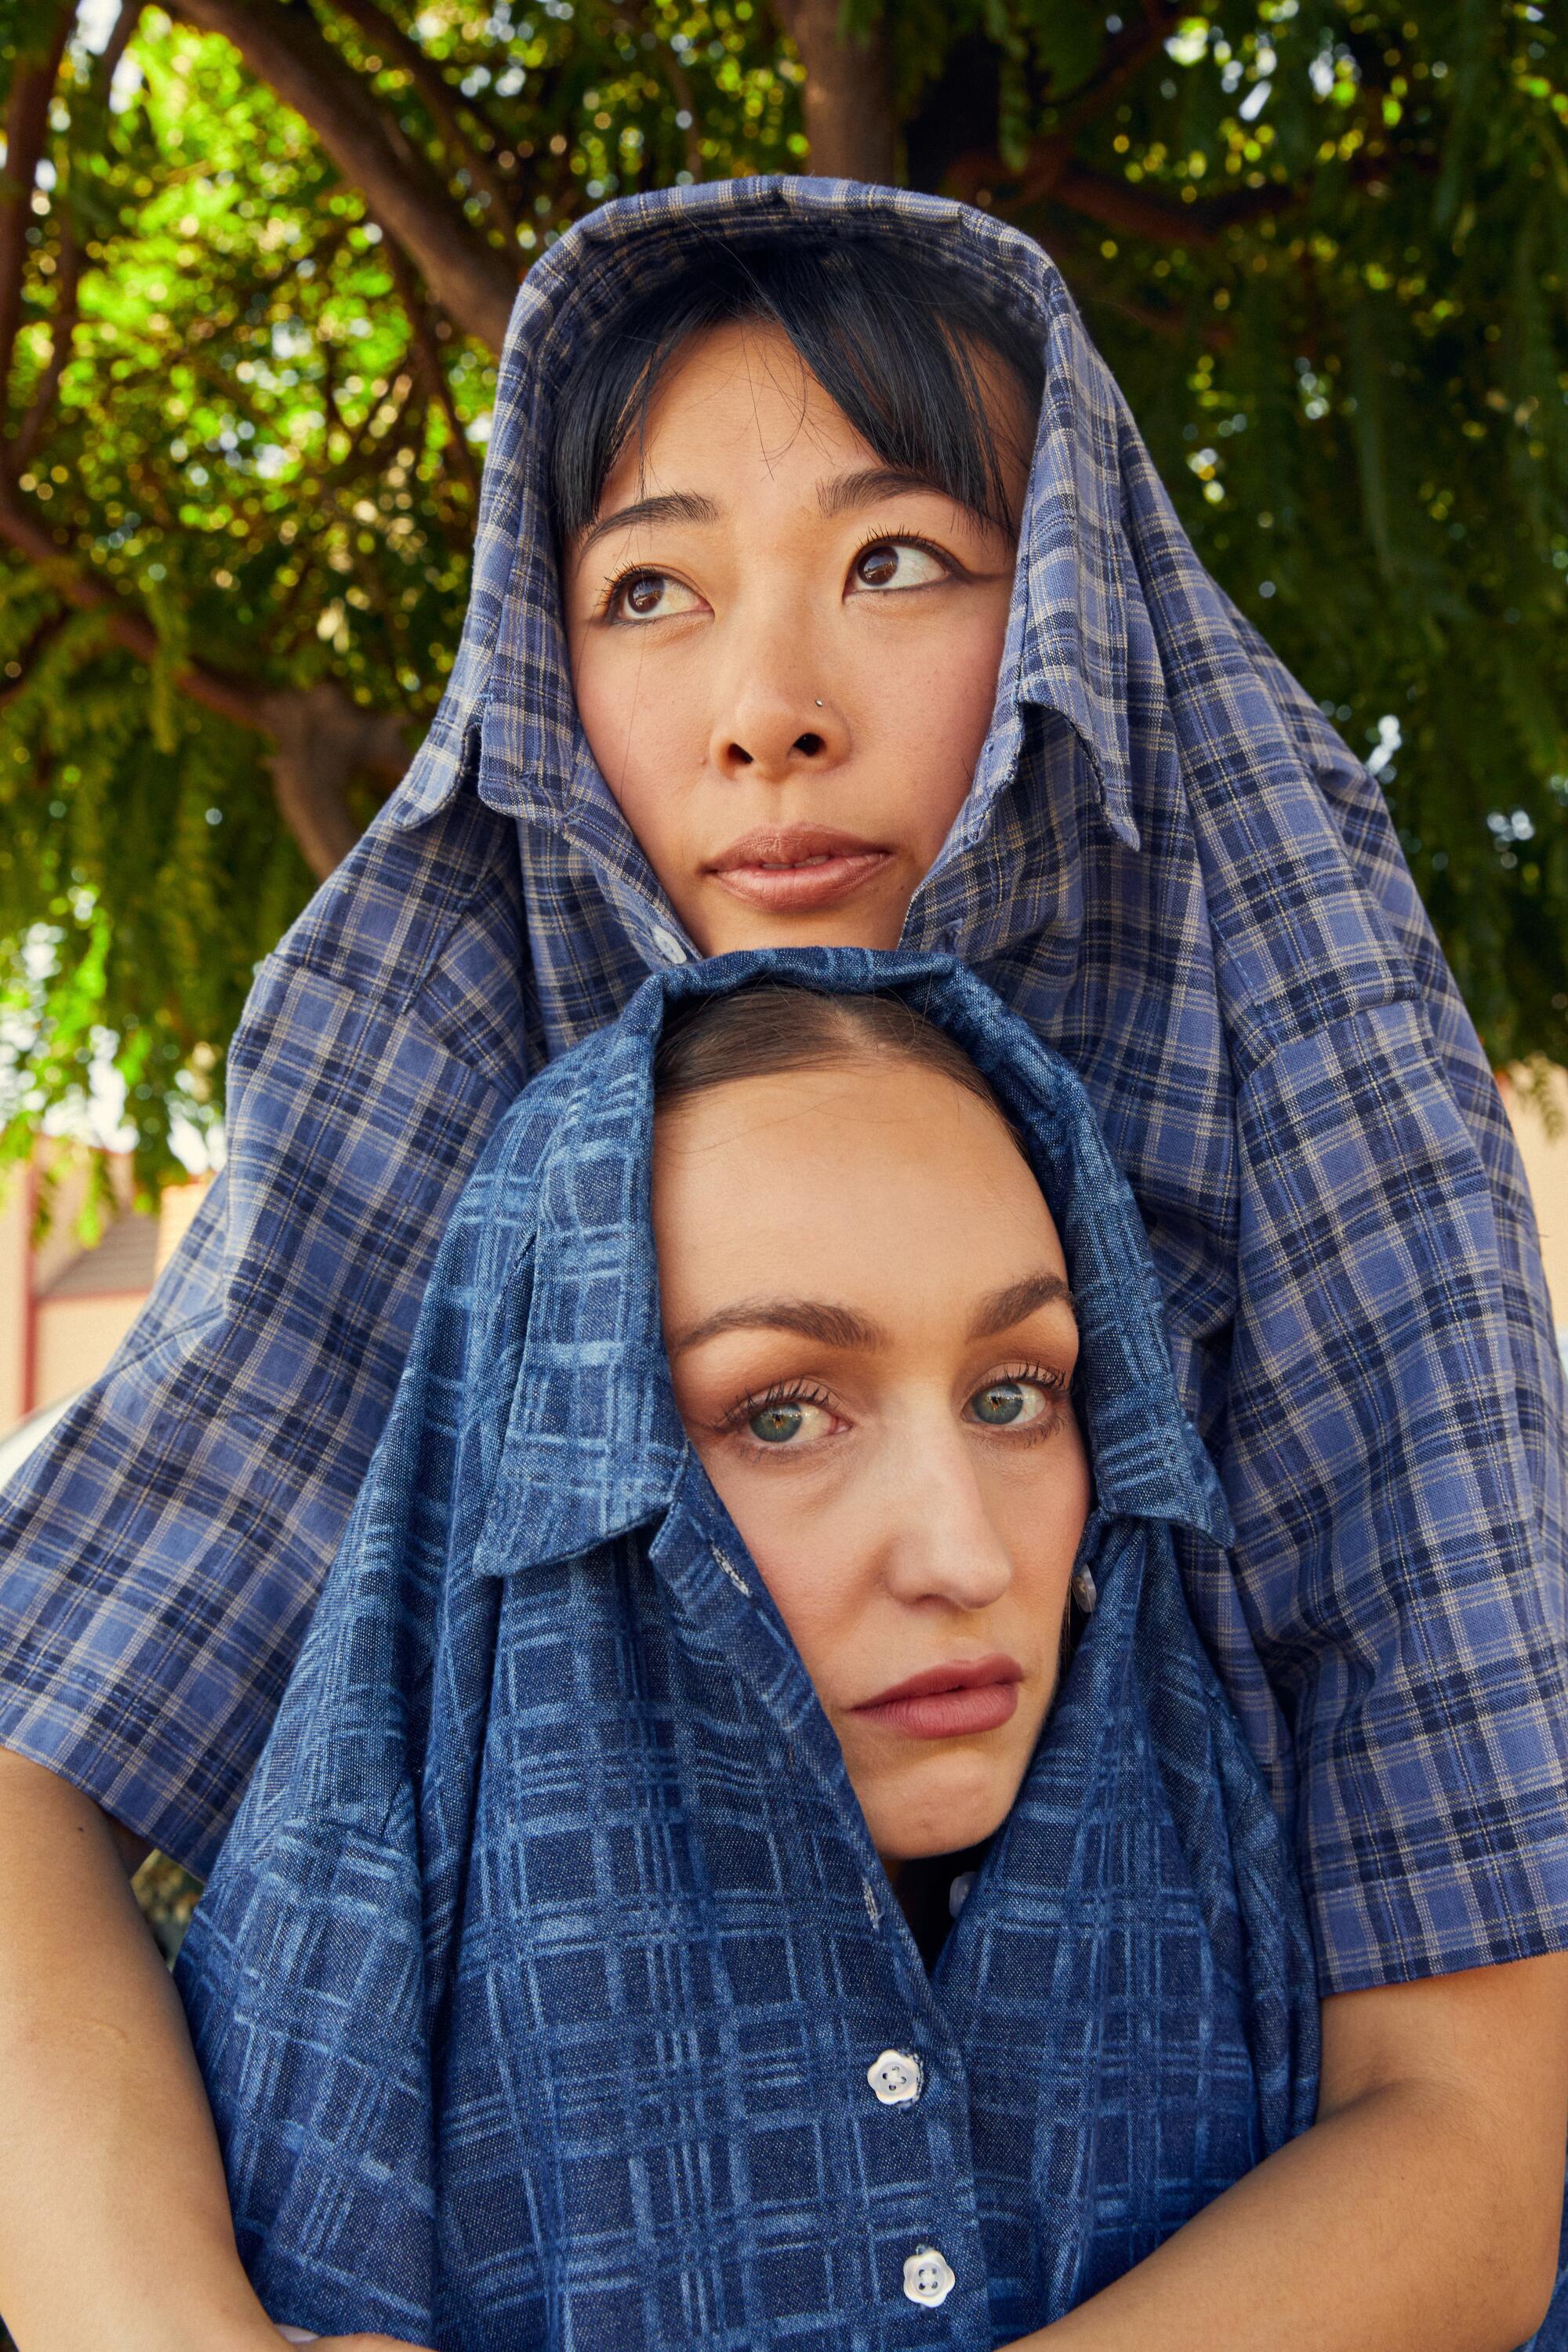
790	868
950	1701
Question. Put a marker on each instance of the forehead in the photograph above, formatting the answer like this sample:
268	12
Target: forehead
737	395
886	1175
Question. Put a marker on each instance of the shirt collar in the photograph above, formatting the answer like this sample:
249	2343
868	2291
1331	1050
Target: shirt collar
595	1447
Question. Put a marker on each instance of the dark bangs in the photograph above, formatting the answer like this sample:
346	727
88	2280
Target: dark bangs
890	338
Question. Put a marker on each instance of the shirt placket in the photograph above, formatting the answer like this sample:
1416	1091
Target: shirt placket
899	2071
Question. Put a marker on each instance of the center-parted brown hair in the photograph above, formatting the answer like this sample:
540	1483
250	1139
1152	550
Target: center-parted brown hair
766	1030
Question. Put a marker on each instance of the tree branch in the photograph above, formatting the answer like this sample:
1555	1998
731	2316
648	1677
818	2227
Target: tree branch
1052	176
1125	56
62	328
321	737
438	99
285	47
849	121
114	48
26	129
426	357
1116	203
675	74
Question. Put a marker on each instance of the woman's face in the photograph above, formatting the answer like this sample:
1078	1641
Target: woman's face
786	653
866	1307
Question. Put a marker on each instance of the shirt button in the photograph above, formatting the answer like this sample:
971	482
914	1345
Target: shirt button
958	1892
667	945
896	2078
926	2277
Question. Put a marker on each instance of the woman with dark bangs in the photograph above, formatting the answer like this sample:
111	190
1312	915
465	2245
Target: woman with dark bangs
825	596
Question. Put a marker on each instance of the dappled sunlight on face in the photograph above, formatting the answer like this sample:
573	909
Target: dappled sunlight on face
784	654
871	1339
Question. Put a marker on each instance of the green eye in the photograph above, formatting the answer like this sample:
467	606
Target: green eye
777	1424
1002	1403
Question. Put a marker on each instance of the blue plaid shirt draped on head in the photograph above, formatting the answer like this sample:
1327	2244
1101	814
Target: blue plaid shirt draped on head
542	1982
1176	873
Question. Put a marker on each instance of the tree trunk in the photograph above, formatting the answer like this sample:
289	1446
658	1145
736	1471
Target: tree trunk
849	121
283	45
322	740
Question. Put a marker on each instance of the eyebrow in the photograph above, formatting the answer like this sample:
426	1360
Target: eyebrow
845	494
672	506
1017	1302
812	1319
842	1327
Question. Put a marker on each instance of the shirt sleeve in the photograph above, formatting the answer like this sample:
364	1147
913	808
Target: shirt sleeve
163	1549
1402	1567
1391	1439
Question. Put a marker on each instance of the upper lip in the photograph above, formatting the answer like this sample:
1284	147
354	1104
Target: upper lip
790	845
963	1674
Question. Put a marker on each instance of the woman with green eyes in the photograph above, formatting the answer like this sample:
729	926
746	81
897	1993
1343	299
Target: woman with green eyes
754	1851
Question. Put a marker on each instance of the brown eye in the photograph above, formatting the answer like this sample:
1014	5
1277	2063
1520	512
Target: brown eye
650	596
897	563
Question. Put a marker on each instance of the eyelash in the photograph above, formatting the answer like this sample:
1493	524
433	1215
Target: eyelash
782	1392
622	580
733	1423
950	564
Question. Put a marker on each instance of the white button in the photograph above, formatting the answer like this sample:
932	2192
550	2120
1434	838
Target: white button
1084	1592
668	946
958	1892
926	2278
896	2078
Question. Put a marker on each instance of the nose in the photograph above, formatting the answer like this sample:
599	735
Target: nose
777	719
939	1541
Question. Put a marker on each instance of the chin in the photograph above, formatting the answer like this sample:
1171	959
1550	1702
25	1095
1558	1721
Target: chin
944	1818
853	925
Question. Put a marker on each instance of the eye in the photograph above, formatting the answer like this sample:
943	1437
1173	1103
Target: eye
649	596
1017	1403
788	1421
895	563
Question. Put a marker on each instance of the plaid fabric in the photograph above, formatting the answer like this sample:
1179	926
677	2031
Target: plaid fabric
1178	875
538	1983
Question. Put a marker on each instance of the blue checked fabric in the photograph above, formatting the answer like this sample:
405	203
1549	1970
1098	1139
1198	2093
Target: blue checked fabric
1181	878
539	1981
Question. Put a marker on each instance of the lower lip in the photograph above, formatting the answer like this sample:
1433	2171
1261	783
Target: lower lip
792	889
947	1714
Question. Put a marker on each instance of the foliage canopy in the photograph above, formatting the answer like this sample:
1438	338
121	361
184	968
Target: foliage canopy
253	257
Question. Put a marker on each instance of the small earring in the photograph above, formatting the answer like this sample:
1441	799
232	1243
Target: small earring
819	702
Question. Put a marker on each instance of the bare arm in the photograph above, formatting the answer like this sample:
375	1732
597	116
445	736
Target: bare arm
1419	2214
114	2220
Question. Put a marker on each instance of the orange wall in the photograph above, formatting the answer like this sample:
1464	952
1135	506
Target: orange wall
51	1346
73	1339
15	1299
1545	1157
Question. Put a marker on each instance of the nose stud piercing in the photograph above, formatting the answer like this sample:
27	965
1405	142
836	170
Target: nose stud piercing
819	702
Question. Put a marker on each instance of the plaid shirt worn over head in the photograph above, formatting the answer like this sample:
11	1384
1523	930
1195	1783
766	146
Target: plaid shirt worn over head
1177	874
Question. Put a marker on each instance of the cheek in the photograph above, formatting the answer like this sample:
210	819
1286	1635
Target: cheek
641	737
1041	1517
932	709
803	1549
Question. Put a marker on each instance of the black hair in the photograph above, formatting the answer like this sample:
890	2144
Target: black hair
765	1030
889	336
